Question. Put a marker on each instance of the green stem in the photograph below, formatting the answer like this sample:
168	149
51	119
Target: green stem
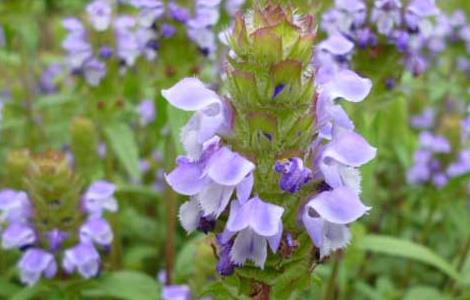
331	287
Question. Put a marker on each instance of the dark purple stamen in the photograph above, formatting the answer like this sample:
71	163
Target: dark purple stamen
278	89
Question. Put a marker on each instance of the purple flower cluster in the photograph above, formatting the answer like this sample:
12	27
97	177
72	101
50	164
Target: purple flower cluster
435	161
418	29
212	173
42	249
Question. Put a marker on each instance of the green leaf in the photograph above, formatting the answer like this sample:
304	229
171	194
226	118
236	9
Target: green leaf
126	285
122	141
30	292
424	292
407	249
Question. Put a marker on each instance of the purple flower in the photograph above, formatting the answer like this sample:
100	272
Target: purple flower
82	258
461	166
424	120
14	206
225	266
176	292
47	82
79	50
440	180
18	235
325	217
401	39
294	174
179	13
416	64
210	181
211	116
434	143
94	71
34	263
96	230
168	30
386	14
128	48
100	197
342	156
146	111
417	10
56	239
150	11
106	52
256	224
99	12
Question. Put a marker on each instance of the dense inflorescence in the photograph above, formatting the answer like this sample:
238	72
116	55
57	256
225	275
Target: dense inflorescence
43	222
278	141
111	40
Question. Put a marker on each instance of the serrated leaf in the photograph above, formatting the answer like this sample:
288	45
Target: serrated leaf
125	285
122	141
407	249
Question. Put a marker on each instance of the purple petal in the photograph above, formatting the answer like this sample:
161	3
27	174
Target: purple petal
96	230
349	148
336	237
275	240
34	263
176	292
349	86
190	214
214	198
83	258
18	235
249	245
314	226
244	188
337	45
229	168
187	178
190	94
340	206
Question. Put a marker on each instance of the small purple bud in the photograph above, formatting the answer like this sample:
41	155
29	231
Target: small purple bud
278	89
294	174
390	83
56	239
225	266
168	30
106	52
179	13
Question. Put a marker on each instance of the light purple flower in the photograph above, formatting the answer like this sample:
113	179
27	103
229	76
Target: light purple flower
461	166
47	82
425	120
434	143
94	71
15	206
147	112
294	174
18	235
225	265
176	292
386	14
256	224
100	197
128	48
76	44
326	215
96	230
82	258
35	263
210	181
168	30
99	12
342	156
178	12
233	6
417	10
211	117
56	239
150	11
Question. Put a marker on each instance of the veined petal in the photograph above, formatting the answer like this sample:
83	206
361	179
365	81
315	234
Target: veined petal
229	168
337	45
249	245
187	178
340	206
264	217
190	94
336	237
275	240
214	198
236	220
